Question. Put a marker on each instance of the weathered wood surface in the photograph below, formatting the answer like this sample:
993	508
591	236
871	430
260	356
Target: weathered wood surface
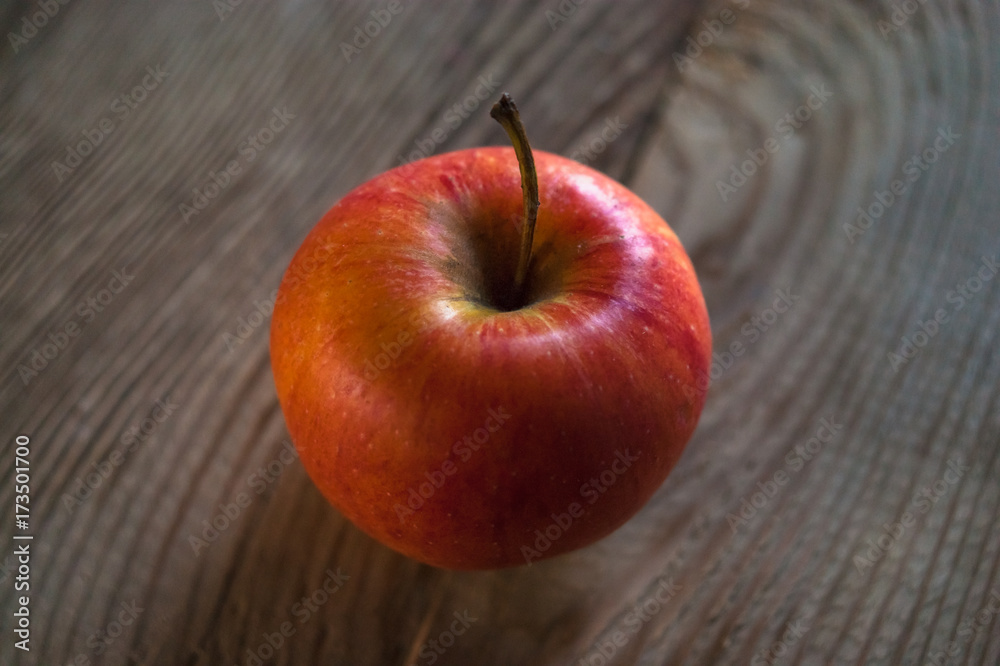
736	587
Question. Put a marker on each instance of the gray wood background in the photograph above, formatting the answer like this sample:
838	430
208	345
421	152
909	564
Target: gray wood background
802	579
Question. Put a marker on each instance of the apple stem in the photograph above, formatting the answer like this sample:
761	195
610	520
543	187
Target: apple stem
505	113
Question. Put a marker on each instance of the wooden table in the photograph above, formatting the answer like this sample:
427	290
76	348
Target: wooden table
160	163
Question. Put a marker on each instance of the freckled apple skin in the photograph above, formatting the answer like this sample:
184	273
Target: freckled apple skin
604	357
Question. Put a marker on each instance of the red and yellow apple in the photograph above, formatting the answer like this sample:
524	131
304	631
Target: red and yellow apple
463	417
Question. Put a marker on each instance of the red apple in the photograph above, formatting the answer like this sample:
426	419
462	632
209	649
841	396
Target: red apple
463	417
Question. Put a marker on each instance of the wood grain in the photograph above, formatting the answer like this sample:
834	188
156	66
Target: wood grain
732	588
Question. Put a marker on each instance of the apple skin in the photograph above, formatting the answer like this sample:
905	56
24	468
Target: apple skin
601	364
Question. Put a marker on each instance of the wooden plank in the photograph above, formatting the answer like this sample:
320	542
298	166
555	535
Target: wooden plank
162	397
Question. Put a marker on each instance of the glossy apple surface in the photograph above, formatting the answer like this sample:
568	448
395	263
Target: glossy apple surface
461	427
